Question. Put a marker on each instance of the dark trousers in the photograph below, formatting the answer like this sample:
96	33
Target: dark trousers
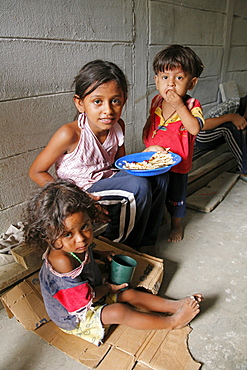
136	206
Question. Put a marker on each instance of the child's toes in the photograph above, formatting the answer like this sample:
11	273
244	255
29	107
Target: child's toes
194	304
198	297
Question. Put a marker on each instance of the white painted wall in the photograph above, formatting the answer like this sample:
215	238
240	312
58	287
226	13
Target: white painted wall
44	43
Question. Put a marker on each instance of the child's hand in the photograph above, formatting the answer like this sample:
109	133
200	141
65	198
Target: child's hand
155	148
102	212
174	99
238	121
106	256
116	288
102	290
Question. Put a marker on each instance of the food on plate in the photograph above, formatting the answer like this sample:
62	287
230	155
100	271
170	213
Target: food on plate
158	159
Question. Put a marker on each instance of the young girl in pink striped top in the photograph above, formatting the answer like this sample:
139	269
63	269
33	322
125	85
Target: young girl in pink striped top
85	151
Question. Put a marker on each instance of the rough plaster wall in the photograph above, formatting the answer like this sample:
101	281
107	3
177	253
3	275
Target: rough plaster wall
44	44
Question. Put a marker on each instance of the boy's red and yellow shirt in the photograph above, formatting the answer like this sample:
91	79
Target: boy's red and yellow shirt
172	133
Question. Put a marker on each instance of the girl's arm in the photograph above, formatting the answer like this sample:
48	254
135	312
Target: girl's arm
236	119
63	141
101	290
121	152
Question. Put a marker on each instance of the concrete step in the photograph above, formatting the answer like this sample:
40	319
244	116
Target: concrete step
208	197
209	171
201	157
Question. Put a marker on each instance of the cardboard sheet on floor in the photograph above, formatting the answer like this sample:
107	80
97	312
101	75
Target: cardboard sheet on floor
208	197
126	347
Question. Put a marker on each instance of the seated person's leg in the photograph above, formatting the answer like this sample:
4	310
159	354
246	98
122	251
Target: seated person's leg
129	199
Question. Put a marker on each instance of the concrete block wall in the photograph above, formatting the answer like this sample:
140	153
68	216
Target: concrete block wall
45	43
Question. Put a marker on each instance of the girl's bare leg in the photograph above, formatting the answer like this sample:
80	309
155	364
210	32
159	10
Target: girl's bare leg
120	313
150	302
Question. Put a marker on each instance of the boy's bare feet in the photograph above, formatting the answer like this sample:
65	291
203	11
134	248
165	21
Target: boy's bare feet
176	234
187	312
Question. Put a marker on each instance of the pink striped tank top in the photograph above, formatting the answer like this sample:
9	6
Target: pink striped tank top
91	161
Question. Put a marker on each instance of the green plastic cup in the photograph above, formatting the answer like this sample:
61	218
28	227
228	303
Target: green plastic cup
122	269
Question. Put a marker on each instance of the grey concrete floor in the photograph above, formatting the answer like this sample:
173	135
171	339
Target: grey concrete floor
211	260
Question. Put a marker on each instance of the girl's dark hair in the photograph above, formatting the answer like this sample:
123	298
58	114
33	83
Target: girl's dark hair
49	207
96	73
175	56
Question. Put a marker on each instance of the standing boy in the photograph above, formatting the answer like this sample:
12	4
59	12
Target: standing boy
175	120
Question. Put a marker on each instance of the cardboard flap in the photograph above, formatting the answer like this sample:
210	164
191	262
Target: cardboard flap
130	340
106	242
169	351
8	311
77	348
117	359
149	270
141	366
26	305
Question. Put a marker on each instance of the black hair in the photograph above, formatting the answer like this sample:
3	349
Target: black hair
49	207
175	56
96	73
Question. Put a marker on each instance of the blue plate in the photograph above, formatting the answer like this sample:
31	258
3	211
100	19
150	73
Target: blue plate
139	157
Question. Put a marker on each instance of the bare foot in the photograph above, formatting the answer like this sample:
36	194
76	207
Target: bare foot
197	296
176	305
185	314
176	234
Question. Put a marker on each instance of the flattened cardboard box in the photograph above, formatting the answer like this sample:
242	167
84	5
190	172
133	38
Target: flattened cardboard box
149	270
126	347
